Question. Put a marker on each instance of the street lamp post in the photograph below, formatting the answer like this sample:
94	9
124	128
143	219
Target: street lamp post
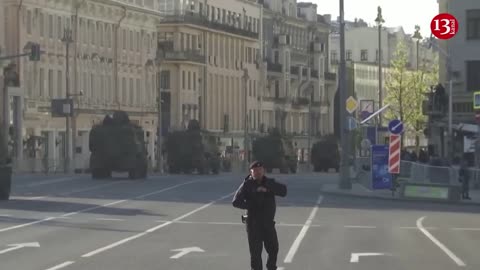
67	39
344	182
417	37
245	128
448	57
379	20
158	61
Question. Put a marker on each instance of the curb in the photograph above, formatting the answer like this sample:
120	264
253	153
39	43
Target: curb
351	195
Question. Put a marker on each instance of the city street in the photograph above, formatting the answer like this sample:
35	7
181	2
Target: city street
187	222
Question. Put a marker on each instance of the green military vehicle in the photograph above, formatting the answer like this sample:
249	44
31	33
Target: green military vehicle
325	154
192	149
276	152
117	145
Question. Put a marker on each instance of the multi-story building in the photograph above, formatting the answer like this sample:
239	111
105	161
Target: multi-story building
459	62
111	61
361	48
210	69
298	97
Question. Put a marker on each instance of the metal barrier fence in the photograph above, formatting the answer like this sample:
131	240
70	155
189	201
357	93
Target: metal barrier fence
418	173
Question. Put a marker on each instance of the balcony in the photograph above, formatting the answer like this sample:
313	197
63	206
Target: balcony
197	19
434	105
300	101
278	100
190	56
330	76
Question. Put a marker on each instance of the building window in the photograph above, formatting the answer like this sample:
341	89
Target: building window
50	26
194	81
473	24
165	79
349	55
183	79
364	55
50	83
41	25
42	82
29	22
189	80
334	57
59	28
473	75
277	89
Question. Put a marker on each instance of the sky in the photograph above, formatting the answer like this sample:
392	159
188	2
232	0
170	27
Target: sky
405	13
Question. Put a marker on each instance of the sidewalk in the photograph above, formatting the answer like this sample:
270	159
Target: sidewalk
359	190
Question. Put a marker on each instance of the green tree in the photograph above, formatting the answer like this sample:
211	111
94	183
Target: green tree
405	92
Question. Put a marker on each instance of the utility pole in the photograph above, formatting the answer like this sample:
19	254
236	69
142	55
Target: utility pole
159	160
379	20
344	182
67	39
245	128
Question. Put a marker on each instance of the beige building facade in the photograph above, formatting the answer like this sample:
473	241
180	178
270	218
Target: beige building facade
124	80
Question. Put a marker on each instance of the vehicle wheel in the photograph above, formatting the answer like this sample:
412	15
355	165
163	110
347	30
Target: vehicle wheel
293	170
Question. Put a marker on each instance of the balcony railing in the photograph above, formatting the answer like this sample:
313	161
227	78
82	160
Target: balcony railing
193	56
300	101
197	19
279	100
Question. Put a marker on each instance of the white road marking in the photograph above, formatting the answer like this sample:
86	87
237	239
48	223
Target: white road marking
184	251
447	251
151	230
60	266
303	232
280	268
416	228
19	246
110	219
25	225
465	229
4	215
359	227
93	208
355	257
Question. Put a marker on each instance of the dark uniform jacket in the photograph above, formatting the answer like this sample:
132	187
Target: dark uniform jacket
260	206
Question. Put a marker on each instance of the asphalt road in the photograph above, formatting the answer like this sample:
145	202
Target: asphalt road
187	222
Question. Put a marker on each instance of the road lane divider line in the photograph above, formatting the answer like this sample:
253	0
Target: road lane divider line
151	230
303	232
110	219
94	207
465	229
359	227
447	251
62	265
25	224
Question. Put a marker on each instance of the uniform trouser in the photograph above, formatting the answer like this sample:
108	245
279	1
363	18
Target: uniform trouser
259	235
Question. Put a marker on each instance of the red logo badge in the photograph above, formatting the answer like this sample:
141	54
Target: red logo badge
444	26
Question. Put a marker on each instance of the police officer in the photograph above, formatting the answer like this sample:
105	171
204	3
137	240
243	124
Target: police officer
257	195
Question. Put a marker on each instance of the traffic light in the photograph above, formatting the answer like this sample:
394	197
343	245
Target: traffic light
35	53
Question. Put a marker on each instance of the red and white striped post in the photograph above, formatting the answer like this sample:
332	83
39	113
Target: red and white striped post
394	154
